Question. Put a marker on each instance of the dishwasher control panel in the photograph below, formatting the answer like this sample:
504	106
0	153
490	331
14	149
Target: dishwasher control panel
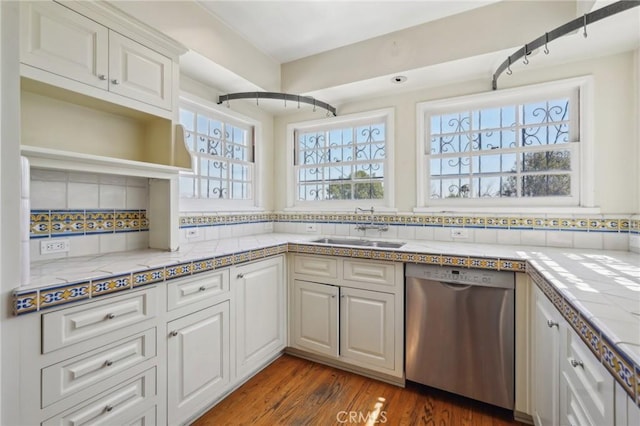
469	276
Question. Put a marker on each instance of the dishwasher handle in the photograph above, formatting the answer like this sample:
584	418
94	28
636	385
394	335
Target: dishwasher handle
456	286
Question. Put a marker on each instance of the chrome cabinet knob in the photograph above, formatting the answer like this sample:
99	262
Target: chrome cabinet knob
551	324
115	81
108	408
102	77
111	316
108	363
203	288
240	276
576	363
174	333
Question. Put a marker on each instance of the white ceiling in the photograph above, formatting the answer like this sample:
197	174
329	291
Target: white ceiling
288	30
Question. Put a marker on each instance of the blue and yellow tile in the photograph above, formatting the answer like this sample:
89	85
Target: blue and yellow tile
202	265
66	293
175	271
67	222
100	221
590	335
242	257
621	368
221	261
25	302
110	285
40	223
148	276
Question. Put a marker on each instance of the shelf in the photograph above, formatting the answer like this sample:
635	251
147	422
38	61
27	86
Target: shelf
67	160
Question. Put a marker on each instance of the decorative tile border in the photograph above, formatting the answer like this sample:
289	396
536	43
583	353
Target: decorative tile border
620	367
67	223
603	224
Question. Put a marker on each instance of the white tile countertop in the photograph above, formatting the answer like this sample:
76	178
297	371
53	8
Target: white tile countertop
603	286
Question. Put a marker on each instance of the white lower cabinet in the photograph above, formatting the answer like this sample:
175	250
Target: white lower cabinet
571	387
627	411
315	317
586	387
197	361
546	362
367	327
260	313
339	318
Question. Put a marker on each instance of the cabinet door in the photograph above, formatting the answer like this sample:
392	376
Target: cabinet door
260	320
138	72
61	41
546	352
367	327
198	361
315	317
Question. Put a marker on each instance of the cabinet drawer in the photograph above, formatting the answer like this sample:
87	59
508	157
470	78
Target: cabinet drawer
113	406
314	266
369	272
204	287
68	326
79	373
589	387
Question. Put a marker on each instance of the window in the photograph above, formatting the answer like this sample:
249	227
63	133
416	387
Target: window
343	160
517	148
222	150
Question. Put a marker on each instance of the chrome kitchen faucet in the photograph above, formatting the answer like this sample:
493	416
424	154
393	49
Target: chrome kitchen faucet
372	225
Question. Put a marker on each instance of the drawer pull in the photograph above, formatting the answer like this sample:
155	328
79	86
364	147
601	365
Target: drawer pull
108	363
173	333
102	77
240	276
203	288
576	363
108	408
111	316
115	81
551	324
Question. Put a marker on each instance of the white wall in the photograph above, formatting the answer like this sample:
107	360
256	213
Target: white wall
616	115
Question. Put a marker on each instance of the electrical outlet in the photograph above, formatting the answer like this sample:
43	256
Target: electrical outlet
460	233
54	246
193	233
311	227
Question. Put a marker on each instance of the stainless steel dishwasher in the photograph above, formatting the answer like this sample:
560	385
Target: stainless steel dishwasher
460	331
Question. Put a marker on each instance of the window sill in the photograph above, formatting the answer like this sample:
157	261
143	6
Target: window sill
346	208
511	210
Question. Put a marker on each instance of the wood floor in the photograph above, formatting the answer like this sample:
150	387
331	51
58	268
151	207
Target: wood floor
293	391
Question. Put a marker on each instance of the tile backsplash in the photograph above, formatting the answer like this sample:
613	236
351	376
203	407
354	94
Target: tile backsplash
610	232
102	213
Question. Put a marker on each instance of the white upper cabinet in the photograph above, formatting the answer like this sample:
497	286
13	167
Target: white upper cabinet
58	40
138	72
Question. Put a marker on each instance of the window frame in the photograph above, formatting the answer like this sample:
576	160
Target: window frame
385	204
582	163
255	203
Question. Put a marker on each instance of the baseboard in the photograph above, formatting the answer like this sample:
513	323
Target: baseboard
523	417
387	378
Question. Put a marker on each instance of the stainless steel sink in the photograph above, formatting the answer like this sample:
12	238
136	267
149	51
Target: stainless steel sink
359	243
